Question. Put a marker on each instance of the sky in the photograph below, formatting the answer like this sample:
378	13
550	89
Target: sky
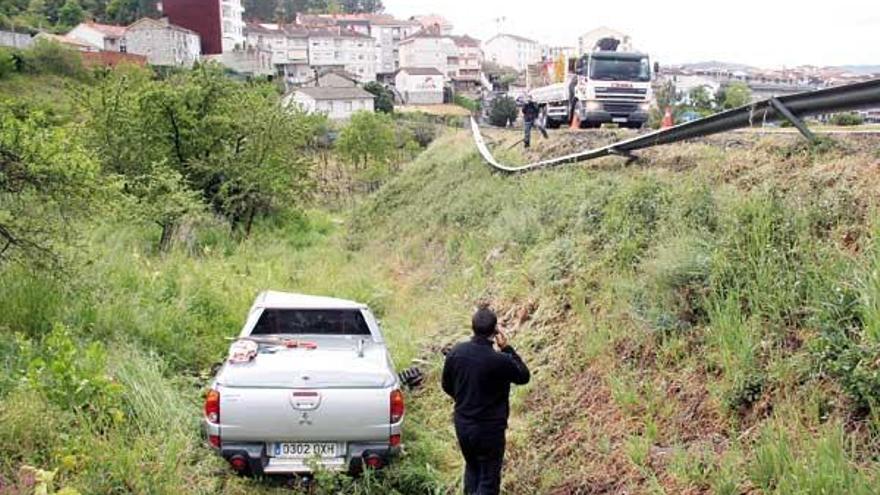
761	33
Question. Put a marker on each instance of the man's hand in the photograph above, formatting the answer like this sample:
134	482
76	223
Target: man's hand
501	339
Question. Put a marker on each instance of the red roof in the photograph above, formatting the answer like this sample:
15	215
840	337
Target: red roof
109	30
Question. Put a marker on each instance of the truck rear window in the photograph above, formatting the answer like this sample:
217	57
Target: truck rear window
311	322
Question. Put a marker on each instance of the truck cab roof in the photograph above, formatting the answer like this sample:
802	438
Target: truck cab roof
290	300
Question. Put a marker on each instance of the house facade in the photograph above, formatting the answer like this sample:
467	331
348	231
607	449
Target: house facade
514	51
335	47
336	103
468	73
163	43
420	85
426	49
104	37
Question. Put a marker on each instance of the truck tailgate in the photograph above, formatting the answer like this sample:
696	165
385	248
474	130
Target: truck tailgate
275	415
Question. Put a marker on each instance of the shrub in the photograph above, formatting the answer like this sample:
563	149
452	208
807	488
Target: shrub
464	101
7	63
846	119
48	57
504	111
384	96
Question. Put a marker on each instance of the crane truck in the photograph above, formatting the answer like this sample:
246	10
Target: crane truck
603	86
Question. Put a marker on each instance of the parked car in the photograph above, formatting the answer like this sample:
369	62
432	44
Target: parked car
308	383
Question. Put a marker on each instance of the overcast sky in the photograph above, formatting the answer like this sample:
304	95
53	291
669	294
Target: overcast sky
763	33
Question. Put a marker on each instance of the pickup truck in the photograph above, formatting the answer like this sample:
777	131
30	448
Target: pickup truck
309	383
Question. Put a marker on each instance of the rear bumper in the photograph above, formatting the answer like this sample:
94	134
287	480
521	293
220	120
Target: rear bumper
260	463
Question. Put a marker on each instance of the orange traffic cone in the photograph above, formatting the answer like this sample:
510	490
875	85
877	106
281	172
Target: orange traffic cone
667	119
575	120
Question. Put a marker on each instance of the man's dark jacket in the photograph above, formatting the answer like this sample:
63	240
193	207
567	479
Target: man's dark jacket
479	379
530	111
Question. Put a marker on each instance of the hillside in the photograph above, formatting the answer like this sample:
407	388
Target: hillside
704	320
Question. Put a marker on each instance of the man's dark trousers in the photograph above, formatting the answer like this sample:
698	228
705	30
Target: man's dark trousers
527	139
483	449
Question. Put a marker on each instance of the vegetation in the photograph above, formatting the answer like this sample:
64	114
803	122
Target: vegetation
734	95
384	96
503	112
846	119
463	101
708	324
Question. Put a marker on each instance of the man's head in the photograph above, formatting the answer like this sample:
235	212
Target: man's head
484	322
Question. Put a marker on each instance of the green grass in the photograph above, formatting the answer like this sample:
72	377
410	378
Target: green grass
701	328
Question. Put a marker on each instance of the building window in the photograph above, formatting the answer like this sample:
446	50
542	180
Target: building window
348	106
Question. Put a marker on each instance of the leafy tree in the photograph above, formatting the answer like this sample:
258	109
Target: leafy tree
48	57
367	143
735	95
384	96
503	110
71	13
701	100
47	181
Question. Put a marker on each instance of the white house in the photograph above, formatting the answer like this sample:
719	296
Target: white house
101	36
336	103
343	48
587	41
427	49
420	85
510	50
163	43
468	73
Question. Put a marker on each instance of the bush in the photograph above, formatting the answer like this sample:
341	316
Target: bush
504	111
464	101
846	119
48	57
384	96
7	63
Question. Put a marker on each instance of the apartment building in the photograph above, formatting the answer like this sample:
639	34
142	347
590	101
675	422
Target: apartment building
335	47
514	51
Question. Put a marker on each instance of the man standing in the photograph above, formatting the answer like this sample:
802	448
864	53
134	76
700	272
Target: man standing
478	377
530	112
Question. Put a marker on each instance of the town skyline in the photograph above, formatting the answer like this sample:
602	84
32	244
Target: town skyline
820	37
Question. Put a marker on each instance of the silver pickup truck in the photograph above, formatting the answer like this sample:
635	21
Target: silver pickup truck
308	383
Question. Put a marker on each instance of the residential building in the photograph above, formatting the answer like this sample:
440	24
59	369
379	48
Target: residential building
389	33
469	69
336	103
419	85
335	47
332	78
15	40
104	37
219	23
510	50
289	45
588	41
251	61
163	43
434	22
428	49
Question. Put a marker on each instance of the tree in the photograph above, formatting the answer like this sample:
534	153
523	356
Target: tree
503	111
48	180
367	143
384	96
735	95
701	100
71	13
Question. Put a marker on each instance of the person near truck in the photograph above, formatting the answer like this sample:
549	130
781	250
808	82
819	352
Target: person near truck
530	113
478	378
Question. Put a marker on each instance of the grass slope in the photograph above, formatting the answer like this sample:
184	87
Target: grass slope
705	324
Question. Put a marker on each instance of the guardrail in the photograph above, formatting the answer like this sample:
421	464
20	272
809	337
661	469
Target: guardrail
792	107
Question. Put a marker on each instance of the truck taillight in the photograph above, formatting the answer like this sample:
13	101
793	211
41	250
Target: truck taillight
212	406
397	407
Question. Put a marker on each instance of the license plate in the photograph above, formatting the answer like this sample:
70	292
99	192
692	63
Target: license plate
303	450
619	119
